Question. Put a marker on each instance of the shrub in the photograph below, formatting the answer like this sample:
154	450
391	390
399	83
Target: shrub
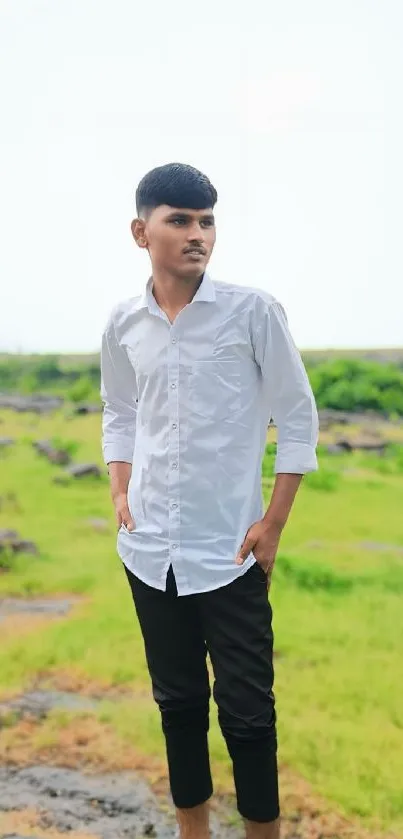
80	390
325	479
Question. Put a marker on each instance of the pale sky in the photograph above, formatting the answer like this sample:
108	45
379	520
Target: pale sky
293	109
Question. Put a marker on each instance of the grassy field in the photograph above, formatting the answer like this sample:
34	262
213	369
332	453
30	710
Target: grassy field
338	621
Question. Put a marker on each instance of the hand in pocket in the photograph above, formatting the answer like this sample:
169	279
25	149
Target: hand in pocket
123	513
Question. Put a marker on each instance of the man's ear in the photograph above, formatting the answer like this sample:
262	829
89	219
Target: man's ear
138	232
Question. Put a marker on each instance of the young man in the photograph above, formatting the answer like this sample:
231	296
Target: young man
192	371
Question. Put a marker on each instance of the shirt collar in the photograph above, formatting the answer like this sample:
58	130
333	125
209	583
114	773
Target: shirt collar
204	294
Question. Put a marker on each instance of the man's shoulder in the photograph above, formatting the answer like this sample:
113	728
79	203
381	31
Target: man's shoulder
250	294
122	310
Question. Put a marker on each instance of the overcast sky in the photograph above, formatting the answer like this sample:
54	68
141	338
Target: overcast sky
293	109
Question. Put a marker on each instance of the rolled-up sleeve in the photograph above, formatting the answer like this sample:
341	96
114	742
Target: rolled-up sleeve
119	397
287	390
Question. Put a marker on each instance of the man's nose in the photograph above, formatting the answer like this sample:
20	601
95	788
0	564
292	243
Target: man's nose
195	233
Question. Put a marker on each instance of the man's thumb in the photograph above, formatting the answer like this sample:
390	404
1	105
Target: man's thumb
244	550
128	521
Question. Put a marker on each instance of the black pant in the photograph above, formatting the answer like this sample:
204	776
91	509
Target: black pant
232	624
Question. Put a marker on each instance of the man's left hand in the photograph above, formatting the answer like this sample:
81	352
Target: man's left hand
263	539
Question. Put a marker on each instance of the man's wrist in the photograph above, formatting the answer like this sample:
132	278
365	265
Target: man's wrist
274	522
284	491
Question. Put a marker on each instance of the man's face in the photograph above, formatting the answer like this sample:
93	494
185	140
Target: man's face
178	240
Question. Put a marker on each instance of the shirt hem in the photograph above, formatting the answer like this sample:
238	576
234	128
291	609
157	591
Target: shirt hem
215	586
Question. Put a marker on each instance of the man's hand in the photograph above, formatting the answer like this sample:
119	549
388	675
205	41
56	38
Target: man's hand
262	538
122	512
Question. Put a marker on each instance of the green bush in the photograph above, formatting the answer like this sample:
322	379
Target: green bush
80	390
353	385
305	574
269	460
325	479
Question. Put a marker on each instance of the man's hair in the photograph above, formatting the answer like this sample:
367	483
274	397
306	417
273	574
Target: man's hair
175	184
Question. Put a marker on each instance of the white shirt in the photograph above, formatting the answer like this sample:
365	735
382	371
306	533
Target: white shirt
188	404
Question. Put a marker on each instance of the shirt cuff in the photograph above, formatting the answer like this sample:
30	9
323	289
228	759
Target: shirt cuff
117	451
296	458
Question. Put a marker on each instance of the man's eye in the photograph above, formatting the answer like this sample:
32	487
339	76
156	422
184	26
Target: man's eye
207	223
178	221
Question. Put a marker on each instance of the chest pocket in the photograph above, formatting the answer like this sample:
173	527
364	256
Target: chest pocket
215	389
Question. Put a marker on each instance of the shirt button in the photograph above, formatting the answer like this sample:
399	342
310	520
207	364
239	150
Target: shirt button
173	385
174	466
174	506
174	547
173	340
174	425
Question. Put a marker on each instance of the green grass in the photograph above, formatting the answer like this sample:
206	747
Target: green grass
338	617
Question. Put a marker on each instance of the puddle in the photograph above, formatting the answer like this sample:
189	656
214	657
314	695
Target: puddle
110	806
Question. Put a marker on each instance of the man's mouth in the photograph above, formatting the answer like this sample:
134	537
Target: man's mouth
195	251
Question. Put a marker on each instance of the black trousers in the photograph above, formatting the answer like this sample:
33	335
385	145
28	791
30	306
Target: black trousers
233	625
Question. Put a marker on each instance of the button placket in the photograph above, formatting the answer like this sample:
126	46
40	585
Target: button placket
174	472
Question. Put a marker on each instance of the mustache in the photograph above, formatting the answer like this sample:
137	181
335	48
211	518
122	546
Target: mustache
196	248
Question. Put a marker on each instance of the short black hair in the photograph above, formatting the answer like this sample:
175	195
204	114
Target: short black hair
175	184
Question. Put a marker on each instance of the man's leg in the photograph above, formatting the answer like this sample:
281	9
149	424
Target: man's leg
176	658
237	627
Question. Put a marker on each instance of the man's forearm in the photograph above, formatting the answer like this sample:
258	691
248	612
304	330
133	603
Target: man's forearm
119	474
283	495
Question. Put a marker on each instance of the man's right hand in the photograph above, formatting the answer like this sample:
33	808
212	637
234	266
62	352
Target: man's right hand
122	512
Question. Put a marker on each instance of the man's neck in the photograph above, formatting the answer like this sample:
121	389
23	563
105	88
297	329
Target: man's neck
174	293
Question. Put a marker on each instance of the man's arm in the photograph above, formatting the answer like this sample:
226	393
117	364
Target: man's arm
288	394
284	491
293	410
119	397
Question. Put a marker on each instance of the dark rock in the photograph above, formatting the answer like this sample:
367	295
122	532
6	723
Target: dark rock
19	546
17	836
328	417
80	470
336	449
87	408
344	446
57	456
363	445
9	539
